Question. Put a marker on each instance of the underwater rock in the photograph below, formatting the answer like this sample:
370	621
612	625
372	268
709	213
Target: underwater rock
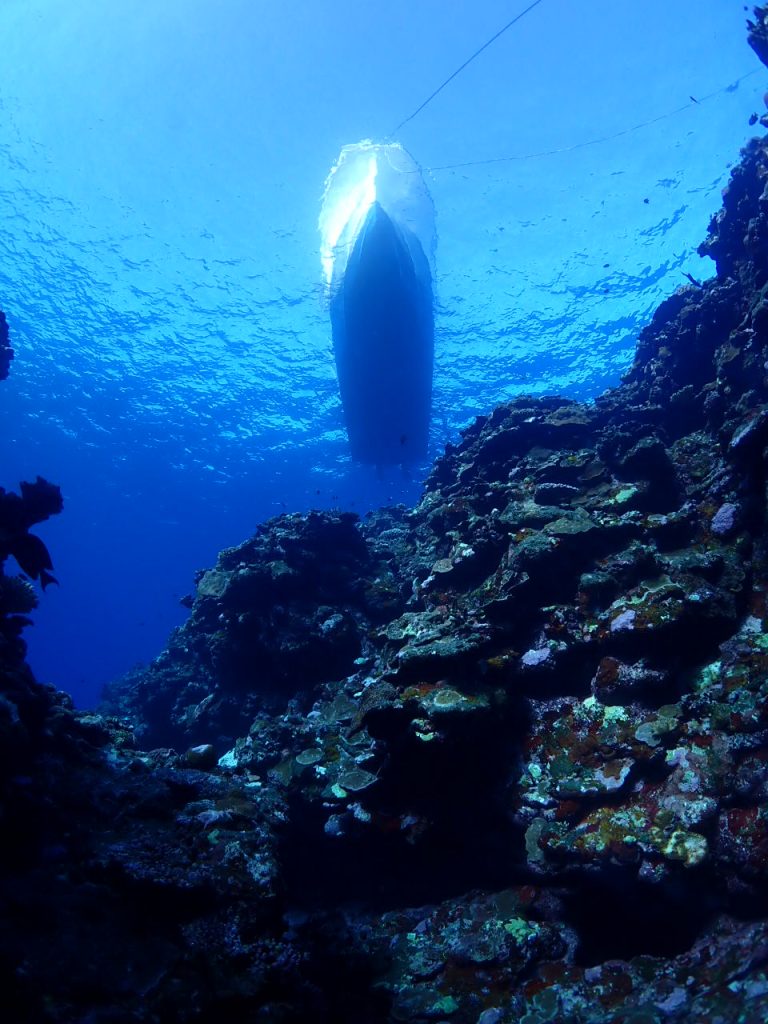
278	616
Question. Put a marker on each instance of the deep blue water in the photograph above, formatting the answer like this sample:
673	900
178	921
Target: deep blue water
161	168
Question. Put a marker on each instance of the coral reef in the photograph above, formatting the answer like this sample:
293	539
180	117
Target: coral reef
502	757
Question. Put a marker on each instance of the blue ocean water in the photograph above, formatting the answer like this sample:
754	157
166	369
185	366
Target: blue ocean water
161	168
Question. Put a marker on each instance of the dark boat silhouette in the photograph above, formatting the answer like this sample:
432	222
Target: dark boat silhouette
377	218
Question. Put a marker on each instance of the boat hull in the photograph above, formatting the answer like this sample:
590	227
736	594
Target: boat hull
383	337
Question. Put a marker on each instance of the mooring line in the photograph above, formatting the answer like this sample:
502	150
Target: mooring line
731	87
468	61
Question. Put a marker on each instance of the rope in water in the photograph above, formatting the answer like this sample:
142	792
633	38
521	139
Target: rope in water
468	61
732	87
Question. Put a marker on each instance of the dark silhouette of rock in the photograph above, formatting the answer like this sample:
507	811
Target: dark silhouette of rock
6	352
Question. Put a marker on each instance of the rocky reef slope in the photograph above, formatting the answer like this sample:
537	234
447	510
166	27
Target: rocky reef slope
503	757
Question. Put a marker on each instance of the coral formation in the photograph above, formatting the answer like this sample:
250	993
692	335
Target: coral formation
502	757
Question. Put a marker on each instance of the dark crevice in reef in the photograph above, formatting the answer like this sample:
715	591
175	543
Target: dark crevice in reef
613	923
379	875
501	757
457	834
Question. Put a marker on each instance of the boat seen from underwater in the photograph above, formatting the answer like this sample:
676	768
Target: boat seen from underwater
378	238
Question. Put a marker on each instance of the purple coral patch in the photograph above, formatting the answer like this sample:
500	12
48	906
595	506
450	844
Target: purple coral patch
626	620
725	519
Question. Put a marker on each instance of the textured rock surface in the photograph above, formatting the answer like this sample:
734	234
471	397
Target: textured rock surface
503	757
